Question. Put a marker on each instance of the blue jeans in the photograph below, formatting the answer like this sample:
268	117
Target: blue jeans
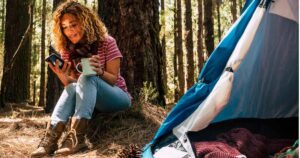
80	99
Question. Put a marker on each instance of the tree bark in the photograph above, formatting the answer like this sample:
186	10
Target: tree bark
175	57
241	2
179	51
43	46
135	26
95	6
2	36
32	11
218	3
54	86
3	20
199	38
233	7
209	26
15	87
190	80
163	45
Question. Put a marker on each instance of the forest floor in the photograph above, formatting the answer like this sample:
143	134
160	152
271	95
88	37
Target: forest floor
22	127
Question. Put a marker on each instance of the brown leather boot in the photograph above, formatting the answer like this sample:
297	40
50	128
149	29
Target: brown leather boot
48	143
75	139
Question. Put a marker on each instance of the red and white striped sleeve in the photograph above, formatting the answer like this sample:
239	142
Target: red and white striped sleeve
113	51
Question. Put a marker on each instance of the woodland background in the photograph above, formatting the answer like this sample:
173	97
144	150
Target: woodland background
165	44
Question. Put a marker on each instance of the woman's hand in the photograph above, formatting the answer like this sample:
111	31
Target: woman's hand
63	73
111	72
95	61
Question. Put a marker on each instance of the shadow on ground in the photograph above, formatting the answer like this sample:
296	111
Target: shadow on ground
22	126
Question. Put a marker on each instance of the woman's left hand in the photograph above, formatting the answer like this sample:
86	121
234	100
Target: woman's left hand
63	73
95	61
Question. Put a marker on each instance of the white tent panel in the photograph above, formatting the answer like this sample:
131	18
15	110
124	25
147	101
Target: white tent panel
286	8
220	95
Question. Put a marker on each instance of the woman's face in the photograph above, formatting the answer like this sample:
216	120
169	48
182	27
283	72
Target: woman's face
72	28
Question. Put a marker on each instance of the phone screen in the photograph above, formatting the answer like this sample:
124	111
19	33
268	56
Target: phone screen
53	57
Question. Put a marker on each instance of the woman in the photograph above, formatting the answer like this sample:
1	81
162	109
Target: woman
78	33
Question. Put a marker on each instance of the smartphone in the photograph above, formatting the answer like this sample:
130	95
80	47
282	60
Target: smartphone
52	59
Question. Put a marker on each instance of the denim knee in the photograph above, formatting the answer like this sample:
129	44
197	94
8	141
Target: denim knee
85	79
86	94
65	106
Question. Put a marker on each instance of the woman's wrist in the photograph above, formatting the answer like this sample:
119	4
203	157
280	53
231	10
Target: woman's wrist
67	81
66	78
101	73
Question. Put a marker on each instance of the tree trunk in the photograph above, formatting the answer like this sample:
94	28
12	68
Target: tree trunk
34	93
241	2
163	45
32	11
2	34
209	26
43	39
233	10
175	79
135	26
95	6
16	75
189	44
218	3
179	51
175	57
199	39
3	20
54	86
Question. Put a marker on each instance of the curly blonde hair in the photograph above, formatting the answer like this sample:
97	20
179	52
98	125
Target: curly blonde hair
94	28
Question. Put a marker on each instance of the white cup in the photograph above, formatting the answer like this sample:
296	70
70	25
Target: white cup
87	69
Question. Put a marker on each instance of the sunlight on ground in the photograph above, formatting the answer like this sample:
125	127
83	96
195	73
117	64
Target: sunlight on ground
22	127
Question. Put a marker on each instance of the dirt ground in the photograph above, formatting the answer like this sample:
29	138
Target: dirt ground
22	127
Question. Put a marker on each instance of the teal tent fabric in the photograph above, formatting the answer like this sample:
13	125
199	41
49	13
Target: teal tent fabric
266	84
207	79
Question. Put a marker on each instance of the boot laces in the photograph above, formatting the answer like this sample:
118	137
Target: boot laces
74	137
47	139
69	137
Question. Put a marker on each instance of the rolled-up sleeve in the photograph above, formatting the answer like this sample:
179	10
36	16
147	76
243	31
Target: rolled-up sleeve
113	51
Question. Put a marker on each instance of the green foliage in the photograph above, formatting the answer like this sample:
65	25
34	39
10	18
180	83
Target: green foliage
148	93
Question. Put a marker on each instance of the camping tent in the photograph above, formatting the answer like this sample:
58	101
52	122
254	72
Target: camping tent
250	78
